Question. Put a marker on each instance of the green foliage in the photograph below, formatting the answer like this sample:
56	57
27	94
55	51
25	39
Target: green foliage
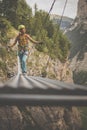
83	113
80	77
55	43
23	13
4	27
3	66
6	30
64	45
16	11
7	59
8	9
3	57
2	53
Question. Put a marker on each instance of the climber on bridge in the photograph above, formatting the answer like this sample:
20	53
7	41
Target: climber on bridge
23	40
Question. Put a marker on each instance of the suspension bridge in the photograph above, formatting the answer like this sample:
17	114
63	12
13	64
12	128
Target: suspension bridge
30	90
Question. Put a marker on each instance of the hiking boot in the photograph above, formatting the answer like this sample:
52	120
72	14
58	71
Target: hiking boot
24	73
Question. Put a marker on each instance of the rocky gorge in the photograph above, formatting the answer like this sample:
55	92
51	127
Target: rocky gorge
40	64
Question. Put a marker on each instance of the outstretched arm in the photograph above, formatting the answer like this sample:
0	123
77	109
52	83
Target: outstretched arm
14	42
32	40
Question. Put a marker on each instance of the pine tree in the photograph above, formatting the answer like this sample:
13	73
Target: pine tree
16	11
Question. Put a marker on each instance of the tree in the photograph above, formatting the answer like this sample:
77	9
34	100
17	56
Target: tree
16	11
35	8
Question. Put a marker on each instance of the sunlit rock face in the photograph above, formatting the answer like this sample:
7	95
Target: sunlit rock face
82	10
78	37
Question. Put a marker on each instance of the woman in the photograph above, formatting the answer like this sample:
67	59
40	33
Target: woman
23	40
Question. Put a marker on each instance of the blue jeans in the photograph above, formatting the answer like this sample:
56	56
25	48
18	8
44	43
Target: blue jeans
23	58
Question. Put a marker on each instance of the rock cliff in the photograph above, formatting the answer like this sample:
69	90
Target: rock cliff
39	118
82	10
78	37
78	54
